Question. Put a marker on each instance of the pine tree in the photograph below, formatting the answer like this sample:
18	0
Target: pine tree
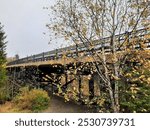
3	78
2	46
2	55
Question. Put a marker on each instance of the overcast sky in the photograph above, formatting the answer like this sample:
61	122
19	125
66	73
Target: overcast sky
24	23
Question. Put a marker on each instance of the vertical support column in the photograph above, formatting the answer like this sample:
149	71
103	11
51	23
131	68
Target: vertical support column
80	88
77	50
128	38
91	88
66	80
14	76
12	90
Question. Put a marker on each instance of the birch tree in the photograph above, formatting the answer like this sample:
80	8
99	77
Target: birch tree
89	22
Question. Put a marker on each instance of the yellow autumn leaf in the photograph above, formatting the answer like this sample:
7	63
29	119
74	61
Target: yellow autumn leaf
142	76
148	79
115	77
128	75
133	96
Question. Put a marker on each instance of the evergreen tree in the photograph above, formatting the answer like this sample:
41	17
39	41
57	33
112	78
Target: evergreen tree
2	56
3	93
2	46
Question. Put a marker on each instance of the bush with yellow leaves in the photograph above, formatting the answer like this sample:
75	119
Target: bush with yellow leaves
34	100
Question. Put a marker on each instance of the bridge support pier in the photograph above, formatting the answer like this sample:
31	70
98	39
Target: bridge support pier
66	80
91	88
80	87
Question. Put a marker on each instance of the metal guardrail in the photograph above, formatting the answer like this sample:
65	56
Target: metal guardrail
72	51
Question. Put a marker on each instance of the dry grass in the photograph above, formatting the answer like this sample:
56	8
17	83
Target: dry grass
7	107
35	100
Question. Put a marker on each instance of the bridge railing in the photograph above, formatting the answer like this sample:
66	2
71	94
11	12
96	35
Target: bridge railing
72	50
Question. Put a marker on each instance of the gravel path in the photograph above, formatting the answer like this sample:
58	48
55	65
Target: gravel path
58	105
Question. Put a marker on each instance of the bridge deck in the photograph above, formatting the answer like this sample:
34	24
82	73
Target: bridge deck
68	60
58	61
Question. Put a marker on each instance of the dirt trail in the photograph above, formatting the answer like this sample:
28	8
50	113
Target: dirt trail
58	105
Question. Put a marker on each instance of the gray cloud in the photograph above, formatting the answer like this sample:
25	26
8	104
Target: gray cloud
24	23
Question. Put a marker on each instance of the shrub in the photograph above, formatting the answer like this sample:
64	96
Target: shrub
4	96
34	100
135	95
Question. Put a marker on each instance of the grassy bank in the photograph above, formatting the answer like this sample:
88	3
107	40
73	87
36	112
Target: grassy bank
35	100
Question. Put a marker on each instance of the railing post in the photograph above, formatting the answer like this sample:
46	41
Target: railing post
33	58
27	58
43	56
56	55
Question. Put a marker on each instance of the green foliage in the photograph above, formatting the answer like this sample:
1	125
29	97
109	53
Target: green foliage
135	94
2	76
2	56
136	99
34	100
2	46
3	94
